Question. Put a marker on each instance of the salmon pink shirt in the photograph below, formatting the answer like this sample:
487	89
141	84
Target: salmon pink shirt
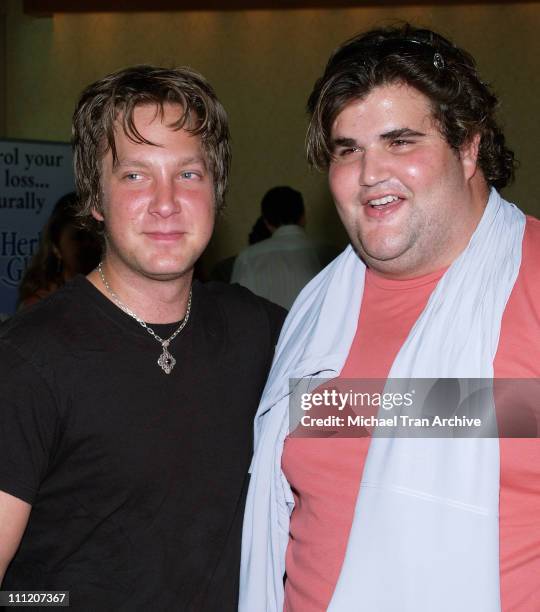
325	473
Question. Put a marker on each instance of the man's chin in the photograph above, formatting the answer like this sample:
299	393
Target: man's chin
168	273
383	253
392	262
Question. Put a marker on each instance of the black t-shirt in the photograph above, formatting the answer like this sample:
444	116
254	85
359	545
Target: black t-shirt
137	478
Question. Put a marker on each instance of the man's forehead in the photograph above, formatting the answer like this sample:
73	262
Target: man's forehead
385	108
141	126
171	114
127	144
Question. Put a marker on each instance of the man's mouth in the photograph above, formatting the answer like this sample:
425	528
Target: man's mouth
165	236
384	201
384	206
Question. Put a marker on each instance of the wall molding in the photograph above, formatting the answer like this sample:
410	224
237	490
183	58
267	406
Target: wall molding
49	7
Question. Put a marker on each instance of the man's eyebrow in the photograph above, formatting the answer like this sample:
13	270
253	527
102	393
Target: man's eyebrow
194	159
392	135
137	163
344	142
401	133
122	163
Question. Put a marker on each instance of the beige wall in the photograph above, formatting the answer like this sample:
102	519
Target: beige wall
262	64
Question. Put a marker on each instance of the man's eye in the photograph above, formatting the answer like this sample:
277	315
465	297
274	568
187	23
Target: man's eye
189	175
348	151
400	142
132	176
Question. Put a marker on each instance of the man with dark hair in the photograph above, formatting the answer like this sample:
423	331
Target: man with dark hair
283	206
279	267
440	281
128	395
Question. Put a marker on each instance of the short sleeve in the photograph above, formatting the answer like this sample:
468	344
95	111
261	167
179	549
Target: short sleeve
28	425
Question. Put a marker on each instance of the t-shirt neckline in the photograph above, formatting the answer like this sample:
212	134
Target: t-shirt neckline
395	284
122	318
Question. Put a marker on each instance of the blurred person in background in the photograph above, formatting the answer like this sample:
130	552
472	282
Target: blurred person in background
222	270
279	267
66	249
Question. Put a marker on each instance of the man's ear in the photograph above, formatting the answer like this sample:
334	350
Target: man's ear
469	155
96	214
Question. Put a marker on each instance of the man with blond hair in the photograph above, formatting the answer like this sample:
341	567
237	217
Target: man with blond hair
127	396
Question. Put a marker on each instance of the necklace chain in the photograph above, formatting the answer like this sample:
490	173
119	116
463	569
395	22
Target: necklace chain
166	361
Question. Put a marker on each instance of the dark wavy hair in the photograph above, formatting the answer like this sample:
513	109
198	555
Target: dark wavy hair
462	104
115	97
282	206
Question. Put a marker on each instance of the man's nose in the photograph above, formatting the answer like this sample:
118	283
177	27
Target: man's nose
374	168
166	199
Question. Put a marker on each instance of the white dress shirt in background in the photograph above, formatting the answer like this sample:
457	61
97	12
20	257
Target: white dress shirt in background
279	267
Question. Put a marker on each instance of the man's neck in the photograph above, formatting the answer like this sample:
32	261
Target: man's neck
154	301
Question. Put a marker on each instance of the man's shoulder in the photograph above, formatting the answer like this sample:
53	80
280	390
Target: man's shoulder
533	226
240	301
526	292
531	242
264	246
50	321
247	317
287	238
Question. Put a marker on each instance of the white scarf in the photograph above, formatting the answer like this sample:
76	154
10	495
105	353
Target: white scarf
425	531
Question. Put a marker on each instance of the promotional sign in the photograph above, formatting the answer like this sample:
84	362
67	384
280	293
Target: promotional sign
33	176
